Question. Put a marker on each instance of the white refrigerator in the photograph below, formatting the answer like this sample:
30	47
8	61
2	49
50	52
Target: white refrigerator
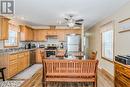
73	43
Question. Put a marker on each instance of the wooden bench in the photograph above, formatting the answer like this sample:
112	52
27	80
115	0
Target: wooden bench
70	71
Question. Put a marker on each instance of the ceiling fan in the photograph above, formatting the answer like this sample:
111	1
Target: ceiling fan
71	21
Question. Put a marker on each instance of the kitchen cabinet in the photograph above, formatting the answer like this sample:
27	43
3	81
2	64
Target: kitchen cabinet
26	33
14	63
40	35
61	34
122	75
38	55
12	66
73	31
4	27
21	62
51	32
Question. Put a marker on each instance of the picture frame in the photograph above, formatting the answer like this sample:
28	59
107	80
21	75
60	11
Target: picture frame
124	25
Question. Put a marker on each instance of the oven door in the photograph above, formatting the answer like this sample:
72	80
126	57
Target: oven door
49	53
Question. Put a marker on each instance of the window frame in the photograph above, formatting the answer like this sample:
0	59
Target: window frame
105	30
17	37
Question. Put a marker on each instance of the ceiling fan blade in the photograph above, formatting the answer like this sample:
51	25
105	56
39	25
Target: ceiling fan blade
78	23
79	20
66	19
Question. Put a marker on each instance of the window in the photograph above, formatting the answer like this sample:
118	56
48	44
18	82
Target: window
107	43
12	38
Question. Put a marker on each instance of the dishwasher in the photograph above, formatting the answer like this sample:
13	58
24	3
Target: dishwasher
32	57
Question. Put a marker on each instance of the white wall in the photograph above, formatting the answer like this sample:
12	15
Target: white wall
122	40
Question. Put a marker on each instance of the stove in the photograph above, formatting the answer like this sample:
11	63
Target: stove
50	50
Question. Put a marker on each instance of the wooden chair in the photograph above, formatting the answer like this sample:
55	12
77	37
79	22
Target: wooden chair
70	71
2	73
93	55
80	55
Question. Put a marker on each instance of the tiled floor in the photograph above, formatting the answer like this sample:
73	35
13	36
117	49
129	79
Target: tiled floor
103	81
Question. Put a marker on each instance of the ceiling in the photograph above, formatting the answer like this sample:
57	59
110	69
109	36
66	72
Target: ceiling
51	12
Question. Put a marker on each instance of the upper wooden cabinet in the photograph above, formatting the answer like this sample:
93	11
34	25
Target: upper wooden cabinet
51	32
40	34
4	26
61	34
26	33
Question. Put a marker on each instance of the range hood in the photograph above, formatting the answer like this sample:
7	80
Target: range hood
51	36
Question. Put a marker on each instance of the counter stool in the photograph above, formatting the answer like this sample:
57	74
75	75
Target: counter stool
2	73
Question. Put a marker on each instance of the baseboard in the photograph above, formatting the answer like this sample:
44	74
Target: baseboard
107	74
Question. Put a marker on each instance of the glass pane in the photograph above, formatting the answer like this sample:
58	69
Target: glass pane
107	44
12	40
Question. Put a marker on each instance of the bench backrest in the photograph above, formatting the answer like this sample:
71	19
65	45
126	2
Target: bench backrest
70	67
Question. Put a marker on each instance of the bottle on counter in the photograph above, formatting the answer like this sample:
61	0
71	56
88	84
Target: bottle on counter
61	45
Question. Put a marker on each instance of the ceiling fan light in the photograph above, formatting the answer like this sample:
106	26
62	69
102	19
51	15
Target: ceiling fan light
71	24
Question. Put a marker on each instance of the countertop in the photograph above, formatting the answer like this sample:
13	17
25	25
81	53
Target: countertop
18	51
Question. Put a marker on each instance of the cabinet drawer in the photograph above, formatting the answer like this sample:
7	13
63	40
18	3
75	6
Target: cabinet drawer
12	62
124	78
12	57
21	55
119	68
119	83
127	72
123	70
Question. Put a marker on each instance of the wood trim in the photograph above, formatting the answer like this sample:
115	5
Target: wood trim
112	61
124	20
106	24
107	74
124	31
18	35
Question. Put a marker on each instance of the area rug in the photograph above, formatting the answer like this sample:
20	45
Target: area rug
65	84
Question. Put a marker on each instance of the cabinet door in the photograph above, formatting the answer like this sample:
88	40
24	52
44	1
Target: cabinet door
40	35
12	70
61	34
38	55
27	58
77	31
30	33
4	27
12	67
21	60
24	33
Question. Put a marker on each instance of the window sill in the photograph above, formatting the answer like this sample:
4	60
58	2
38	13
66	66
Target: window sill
108	60
10	46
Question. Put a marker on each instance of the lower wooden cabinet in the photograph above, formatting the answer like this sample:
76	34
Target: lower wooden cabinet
122	75
14	63
38	55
